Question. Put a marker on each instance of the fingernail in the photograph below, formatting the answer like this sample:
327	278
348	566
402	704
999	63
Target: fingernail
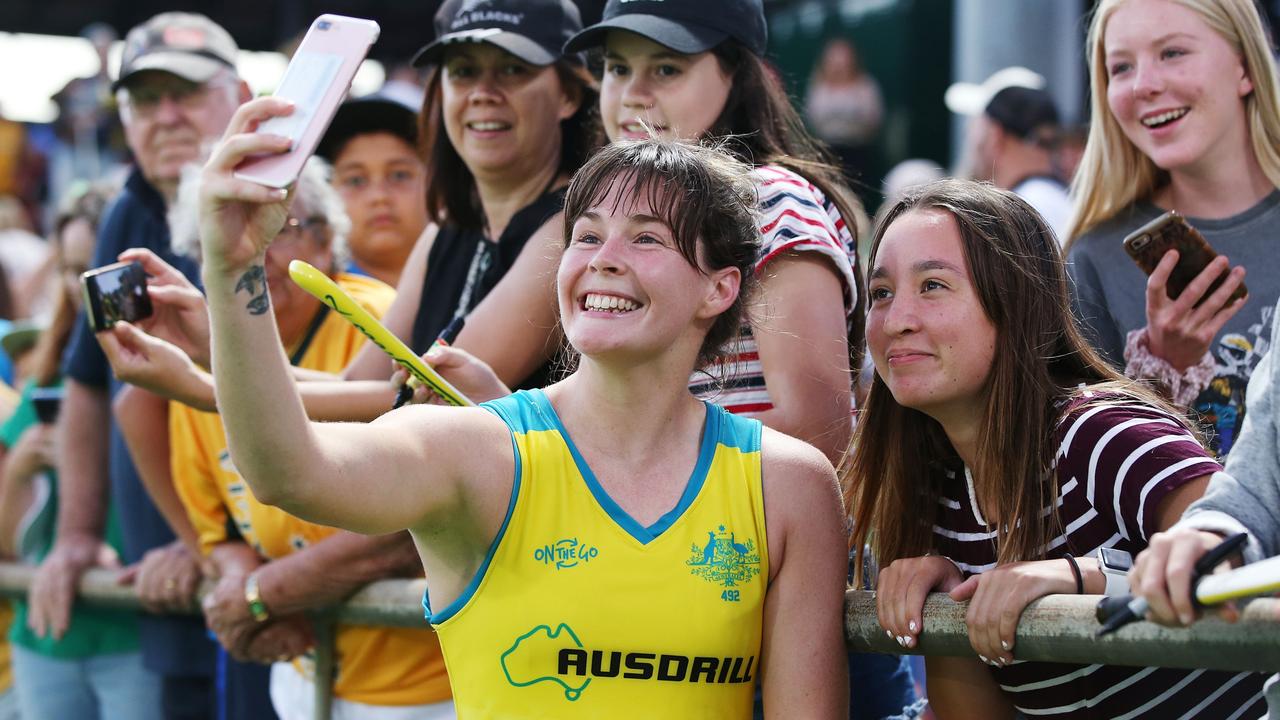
279	193
1005	644
984	659
911	642
888	634
911	626
902	641
1186	618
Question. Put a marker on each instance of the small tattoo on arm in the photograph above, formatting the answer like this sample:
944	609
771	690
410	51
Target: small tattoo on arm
254	282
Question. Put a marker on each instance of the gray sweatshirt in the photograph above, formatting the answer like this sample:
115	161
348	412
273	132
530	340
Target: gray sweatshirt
1246	498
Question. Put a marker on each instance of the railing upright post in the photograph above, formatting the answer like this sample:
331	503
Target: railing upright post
324	676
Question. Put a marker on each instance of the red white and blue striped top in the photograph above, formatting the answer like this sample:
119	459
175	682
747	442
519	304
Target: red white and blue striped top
795	217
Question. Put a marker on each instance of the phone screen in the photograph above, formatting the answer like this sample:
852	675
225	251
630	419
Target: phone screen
116	292
305	82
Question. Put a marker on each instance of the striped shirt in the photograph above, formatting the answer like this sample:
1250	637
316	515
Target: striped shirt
1117	459
794	217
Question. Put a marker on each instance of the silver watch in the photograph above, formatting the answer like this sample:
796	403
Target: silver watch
1115	566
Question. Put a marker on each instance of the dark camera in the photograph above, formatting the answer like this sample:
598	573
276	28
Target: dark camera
323	25
115	292
46	402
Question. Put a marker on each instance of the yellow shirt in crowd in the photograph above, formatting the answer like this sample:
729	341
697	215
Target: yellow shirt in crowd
374	665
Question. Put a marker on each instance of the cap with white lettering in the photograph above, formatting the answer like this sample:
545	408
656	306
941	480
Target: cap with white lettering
532	30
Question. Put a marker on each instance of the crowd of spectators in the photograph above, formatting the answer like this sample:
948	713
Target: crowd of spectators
1080	406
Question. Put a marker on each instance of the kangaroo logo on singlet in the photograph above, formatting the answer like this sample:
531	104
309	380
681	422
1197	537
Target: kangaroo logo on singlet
724	561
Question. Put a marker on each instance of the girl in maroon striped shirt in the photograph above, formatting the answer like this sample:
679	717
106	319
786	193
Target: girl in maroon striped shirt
994	445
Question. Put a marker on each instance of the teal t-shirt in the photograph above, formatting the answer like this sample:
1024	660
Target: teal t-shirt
93	631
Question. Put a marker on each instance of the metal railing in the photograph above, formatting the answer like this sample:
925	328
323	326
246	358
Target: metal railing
1058	628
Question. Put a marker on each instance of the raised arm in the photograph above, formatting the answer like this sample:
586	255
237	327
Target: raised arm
803	654
801	335
515	329
398	472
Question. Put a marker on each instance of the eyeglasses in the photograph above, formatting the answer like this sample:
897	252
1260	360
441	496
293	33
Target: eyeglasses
294	229
145	101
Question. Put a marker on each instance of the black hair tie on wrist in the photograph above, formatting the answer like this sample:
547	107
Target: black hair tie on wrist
1075	570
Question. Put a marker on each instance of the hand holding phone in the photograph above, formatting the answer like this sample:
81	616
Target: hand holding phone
1178	332
1148	245
315	82
115	292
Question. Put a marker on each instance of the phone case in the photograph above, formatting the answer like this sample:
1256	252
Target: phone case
1148	244
316	81
115	292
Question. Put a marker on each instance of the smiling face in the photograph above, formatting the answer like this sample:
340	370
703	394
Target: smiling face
625	289
1175	86
679	96
502	114
930	338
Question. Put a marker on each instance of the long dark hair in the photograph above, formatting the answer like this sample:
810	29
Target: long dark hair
893	481
706	197
451	188
765	129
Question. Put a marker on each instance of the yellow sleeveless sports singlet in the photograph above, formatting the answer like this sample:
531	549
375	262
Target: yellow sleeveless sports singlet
581	612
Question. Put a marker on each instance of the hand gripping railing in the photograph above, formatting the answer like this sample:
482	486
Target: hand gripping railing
1062	628
1059	628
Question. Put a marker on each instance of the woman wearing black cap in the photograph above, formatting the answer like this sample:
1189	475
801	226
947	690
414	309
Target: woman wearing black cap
504	125
695	71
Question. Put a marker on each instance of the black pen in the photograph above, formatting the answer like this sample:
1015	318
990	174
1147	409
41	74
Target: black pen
444	339
1116	612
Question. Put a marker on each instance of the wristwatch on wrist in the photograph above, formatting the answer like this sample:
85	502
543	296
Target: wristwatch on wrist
1115	566
253	597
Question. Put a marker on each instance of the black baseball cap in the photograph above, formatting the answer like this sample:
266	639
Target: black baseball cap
188	45
366	115
686	26
1023	111
533	30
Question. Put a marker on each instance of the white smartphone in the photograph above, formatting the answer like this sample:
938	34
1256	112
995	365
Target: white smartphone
316	81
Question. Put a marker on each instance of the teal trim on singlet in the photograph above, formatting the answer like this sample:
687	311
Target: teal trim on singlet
739	432
504	410
645	535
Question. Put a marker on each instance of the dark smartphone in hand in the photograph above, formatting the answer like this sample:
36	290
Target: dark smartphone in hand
47	402
1148	244
115	292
